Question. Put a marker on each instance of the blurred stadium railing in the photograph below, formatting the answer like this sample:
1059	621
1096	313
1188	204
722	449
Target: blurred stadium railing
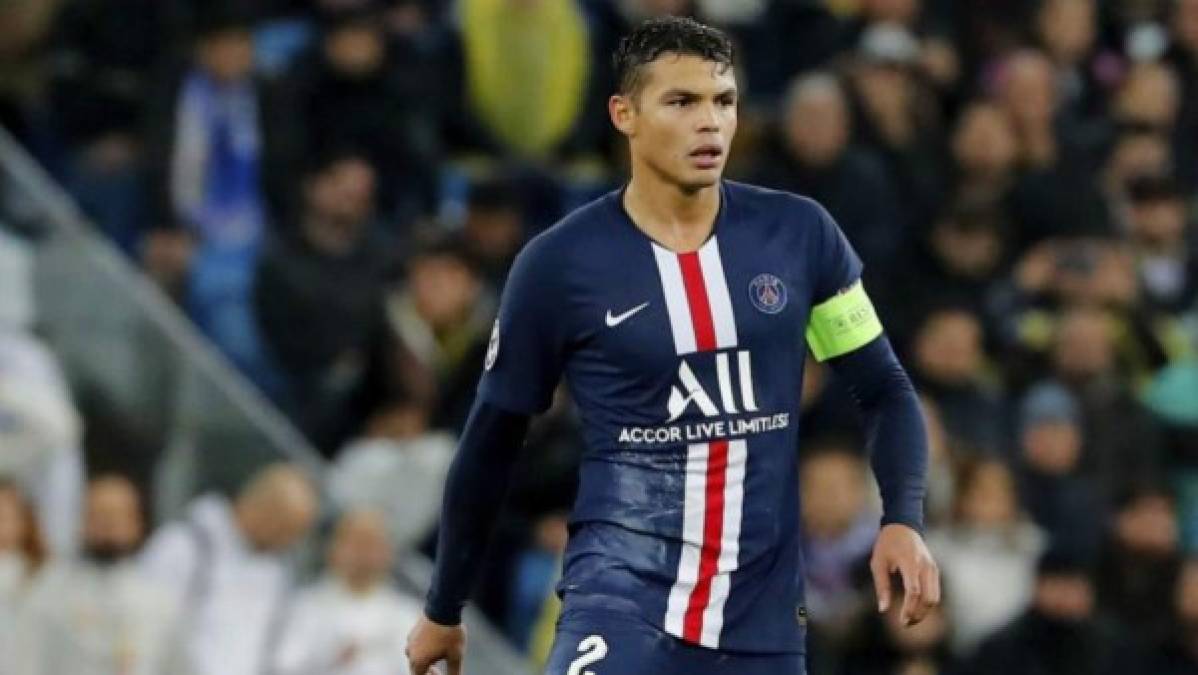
122	342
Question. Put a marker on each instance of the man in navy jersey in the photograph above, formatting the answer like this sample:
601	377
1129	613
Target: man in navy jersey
680	310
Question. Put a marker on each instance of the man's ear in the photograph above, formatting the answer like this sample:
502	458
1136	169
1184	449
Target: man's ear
622	110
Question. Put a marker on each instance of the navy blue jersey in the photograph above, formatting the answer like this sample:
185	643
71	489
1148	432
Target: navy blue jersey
686	369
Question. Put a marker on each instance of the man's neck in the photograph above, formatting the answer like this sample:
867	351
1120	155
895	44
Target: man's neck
679	219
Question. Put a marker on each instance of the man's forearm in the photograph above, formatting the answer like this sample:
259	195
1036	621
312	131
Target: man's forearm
894	426
474	493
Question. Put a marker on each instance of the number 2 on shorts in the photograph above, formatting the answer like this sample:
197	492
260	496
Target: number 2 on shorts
593	650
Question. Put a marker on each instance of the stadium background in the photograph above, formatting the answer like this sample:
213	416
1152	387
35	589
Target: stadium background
234	234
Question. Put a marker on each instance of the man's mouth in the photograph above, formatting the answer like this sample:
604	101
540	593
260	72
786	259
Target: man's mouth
707	156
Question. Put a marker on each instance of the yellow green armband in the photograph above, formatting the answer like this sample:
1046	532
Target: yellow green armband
842	324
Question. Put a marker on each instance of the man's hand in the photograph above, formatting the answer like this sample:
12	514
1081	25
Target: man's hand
900	549
431	642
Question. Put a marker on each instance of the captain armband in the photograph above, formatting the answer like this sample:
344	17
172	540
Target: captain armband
842	324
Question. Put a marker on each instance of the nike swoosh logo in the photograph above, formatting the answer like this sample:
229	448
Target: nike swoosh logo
613	321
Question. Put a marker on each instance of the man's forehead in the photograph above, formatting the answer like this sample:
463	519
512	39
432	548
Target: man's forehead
687	71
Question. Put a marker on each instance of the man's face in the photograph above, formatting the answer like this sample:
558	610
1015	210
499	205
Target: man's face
818	127
344	192
112	527
228	56
12	520
681	122
1064	597
444	290
360	554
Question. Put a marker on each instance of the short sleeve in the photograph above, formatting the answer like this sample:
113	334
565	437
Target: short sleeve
835	262
527	346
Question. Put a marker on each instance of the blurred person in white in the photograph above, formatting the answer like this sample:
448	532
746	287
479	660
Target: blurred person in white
226	563
352	621
21	556
988	554
397	468
840	522
40	429
98	613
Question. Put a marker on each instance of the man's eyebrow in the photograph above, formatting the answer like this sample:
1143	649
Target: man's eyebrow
687	93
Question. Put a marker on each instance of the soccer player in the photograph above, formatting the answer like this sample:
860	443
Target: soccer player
677	308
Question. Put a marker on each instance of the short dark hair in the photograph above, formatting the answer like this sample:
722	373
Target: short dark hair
666	35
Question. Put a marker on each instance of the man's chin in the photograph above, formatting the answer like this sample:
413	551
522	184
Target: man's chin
693	183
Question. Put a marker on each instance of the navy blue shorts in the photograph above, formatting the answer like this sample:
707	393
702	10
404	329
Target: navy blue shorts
603	641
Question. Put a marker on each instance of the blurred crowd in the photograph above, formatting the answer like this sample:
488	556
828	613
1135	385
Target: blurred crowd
333	191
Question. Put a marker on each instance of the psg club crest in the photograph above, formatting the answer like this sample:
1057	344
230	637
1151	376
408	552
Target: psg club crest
767	293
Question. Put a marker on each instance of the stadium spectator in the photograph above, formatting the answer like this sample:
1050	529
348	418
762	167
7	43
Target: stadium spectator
1160	234
1061	501
1122	441
840	523
942	466
226	565
985	153
1179	655
350	91
22	550
352	621
959	262
887	647
948	363
214	160
41	435
397	467
1061	633
897	117
494	228
22	554
99	614
1055	194
440	322
1139	568
1067	31
987	554
102	68
327	272
816	158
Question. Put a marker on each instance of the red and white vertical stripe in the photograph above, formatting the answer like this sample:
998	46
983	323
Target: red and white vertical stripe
701	320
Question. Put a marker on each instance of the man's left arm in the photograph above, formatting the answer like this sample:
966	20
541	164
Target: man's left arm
845	332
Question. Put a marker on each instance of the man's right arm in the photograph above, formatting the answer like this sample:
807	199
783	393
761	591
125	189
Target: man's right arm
474	492
524	362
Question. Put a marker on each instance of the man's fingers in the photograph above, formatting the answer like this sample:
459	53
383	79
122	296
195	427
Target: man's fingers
912	593
931	584
881	583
